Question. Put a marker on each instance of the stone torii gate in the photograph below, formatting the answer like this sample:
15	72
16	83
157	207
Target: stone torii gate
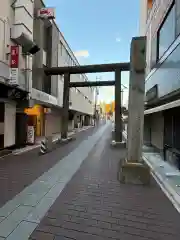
117	68
132	170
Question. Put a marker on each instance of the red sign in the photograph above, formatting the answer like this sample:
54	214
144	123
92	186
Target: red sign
46	13
14	57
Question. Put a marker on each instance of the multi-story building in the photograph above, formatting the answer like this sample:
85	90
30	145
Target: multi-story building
78	112
16	49
29	44
160	22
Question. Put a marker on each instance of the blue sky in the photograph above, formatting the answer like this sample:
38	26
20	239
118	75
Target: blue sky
99	32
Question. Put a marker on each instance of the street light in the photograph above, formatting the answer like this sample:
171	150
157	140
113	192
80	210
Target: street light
96	98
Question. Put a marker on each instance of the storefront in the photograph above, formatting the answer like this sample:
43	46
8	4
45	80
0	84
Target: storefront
11	100
36	119
7	124
172	136
52	121
47	118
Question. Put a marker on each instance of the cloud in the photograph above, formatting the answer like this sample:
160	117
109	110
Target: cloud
82	53
118	39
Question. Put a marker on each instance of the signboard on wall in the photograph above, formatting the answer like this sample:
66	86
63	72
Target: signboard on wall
14	65
30	135
46	13
14	76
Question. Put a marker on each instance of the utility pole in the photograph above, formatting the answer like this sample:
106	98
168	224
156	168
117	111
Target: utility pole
95	104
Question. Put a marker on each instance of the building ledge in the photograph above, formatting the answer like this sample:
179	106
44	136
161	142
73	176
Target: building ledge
163	107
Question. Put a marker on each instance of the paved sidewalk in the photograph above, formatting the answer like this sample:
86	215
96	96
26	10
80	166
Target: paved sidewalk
167	175
21	215
19	171
95	206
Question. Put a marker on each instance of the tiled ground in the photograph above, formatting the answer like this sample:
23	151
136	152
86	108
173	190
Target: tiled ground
19	171
94	205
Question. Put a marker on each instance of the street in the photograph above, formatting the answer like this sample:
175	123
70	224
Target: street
73	193
18	171
77	160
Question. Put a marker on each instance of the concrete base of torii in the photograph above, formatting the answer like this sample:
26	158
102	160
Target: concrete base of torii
115	144
134	173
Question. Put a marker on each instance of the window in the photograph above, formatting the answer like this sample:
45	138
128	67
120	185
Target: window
46	83
177	17
47	37
153	51
60	48
63	52
166	33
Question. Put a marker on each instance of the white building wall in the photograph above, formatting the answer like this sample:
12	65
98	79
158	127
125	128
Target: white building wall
6	20
10	15
52	123
81	98
9	124
21	13
143	17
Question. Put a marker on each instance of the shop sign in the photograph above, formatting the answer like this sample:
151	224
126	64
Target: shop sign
30	135
14	74
14	65
46	13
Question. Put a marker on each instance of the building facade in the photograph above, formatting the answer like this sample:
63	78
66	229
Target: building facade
16	49
79	113
28	97
160	22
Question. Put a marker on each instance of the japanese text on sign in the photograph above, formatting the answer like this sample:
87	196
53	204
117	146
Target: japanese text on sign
14	60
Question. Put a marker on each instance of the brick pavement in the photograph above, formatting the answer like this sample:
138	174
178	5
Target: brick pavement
94	205
19	171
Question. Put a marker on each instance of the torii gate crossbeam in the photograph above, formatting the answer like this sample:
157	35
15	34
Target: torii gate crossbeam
117	68
91	84
96	68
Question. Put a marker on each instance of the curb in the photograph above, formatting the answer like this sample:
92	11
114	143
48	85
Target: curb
35	147
58	143
164	185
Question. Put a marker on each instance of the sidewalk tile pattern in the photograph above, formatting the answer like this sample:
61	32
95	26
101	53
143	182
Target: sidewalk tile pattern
95	206
19	171
29	207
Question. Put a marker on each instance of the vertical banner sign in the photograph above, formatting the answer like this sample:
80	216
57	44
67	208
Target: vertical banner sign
30	135
14	65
